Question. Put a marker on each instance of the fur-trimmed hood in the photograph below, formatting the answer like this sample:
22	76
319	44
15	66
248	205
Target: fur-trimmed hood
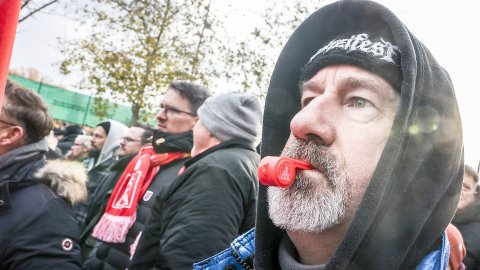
66	178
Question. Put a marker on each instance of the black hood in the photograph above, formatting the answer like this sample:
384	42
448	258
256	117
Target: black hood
415	188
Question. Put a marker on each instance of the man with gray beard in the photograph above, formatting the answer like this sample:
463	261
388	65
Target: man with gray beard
314	205
361	112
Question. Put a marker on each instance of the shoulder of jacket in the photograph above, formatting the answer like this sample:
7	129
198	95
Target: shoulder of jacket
238	256
66	178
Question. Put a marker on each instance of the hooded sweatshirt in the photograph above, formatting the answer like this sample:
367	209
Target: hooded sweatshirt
99	169
112	142
414	191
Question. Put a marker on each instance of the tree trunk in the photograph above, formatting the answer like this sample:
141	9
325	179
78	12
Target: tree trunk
135	114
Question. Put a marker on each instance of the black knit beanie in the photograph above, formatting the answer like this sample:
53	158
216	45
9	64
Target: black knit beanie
373	53
105	125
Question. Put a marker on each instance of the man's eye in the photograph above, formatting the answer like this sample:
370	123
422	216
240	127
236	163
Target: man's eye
360	109
358	103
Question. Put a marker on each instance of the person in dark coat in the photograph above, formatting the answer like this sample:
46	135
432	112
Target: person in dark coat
130	144
37	224
467	218
356	96
214	199
171	146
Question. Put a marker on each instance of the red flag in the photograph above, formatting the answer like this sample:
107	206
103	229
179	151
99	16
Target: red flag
9	12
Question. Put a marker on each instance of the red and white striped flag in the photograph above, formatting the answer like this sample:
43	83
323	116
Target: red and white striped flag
9	12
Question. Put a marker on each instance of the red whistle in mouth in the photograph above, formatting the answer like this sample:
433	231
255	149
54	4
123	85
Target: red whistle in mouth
280	171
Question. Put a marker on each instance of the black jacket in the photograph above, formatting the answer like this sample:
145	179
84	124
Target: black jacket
467	221
99	200
37	225
95	176
206	207
116	256
414	191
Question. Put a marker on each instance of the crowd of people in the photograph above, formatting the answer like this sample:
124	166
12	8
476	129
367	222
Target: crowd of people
359	116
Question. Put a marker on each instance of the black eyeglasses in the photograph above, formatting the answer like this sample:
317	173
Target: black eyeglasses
129	139
169	111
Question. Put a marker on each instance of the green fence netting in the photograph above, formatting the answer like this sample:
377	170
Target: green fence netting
73	107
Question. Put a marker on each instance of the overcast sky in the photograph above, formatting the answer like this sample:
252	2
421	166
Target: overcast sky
448	28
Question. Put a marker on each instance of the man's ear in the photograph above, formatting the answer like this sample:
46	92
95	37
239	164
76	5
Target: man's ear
11	136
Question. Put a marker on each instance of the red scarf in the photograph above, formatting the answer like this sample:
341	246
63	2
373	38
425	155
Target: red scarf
121	209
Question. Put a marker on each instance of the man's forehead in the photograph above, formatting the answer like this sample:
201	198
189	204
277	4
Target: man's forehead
172	96
135	131
100	131
468	179
350	77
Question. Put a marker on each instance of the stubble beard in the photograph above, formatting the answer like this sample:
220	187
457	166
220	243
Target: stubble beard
315	201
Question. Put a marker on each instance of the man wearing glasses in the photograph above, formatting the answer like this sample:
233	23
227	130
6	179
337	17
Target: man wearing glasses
37	225
125	216
130	144
134	139
80	149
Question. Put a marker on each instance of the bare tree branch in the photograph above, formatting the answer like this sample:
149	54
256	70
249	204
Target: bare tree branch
35	10
25	3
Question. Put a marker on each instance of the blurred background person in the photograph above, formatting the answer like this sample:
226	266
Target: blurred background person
172	143
130	144
71	132
467	218
214	199
80	150
105	144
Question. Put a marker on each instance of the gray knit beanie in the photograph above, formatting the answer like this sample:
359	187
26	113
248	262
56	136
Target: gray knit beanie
232	116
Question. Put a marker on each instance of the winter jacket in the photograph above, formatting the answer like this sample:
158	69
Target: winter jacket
467	221
116	256
208	205
414	190
95	176
99	201
37	225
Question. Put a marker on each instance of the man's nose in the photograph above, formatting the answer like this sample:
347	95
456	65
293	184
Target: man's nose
161	115
316	121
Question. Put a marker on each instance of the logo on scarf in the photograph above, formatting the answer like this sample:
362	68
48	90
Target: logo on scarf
381	49
126	198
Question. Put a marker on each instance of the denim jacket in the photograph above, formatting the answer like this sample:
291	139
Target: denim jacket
242	250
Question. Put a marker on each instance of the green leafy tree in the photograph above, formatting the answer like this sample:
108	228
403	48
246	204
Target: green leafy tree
253	59
138	47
